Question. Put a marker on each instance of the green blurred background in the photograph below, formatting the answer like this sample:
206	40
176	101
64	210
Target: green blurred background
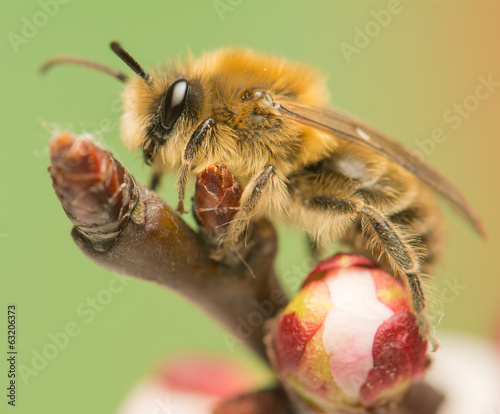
404	79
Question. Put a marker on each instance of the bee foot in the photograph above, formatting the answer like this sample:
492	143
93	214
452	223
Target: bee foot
425	331
180	208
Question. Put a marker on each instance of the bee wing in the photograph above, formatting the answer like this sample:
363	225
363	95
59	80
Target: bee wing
354	130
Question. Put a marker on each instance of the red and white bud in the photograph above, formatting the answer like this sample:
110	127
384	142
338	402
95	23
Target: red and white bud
348	338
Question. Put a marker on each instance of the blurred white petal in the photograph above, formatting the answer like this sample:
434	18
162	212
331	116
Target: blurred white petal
467	370
149	398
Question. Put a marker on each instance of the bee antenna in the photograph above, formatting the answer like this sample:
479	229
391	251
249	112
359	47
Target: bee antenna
83	62
129	60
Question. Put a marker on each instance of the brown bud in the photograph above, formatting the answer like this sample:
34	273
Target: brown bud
96	192
265	401
217	199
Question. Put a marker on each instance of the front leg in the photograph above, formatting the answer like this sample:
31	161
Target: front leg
191	151
155	180
265	194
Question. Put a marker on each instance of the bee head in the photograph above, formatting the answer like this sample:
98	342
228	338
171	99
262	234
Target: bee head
160	111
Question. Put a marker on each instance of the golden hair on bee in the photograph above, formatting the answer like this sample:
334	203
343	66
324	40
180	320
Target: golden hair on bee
268	120
219	87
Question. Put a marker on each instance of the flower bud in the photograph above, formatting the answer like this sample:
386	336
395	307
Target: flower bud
97	193
189	384
348	338
217	199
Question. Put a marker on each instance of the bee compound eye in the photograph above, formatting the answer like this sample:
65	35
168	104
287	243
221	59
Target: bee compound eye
173	103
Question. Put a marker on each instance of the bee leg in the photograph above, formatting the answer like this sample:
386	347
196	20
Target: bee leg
155	180
191	150
401	255
262	190
404	260
182	177
316	248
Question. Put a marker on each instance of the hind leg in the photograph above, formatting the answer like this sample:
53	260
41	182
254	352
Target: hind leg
392	241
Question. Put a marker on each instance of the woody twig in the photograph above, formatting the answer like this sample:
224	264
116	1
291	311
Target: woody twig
129	229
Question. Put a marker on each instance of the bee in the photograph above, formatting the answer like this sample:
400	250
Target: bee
268	120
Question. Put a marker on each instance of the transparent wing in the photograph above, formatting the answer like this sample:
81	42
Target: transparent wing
354	130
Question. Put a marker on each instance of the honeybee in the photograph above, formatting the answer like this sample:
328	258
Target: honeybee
269	122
